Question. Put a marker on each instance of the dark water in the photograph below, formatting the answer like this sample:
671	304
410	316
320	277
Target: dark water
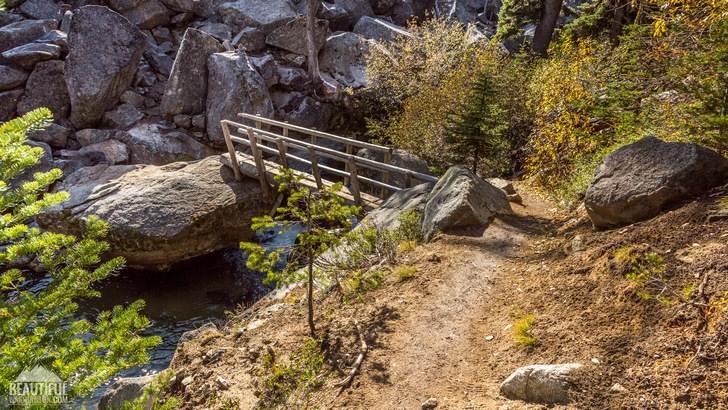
198	292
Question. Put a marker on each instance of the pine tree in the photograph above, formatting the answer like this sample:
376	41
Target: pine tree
42	327
316	211
475	130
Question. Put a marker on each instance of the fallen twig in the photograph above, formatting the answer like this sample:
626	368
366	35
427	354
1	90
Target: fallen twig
700	347
357	363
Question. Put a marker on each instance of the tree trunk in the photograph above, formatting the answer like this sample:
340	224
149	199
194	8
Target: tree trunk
313	65
620	17
310	294
550	10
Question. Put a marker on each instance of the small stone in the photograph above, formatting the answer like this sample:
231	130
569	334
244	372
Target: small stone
28	55
92	136
188	380
213	355
618	388
433	258
123	117
133	98
515	198
294	59
198	122
429	404
183	121
489	338
595	360
222	383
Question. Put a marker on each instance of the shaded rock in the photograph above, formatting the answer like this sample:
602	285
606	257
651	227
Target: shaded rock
381	7
429	404
186	89
636	181
114	152
267	68
400	158
54	135
133	98
122	6
336	15
124	390
148	144
161	215
249	39
539	383
292	78
122	117
198	122
461	199
55	37
23	32
403	11
293	37
379	30
234	86
267	15
465	11
343	57
398	204
195	333
9	18
28	55
356	9
205	9
91	136
105	50
46	87
311	113
183	120
218	30
503	185
149	14
8	103
157	59
41	9
12	77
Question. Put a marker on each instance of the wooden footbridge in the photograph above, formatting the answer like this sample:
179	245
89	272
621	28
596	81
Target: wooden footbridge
272	147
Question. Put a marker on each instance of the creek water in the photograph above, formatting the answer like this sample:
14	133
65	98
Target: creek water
196	292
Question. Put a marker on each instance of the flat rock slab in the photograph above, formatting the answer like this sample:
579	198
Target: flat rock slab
293	37
267	15
161	215
545	384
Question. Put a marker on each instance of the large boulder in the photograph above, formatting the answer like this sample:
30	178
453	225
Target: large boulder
546	384
355	9
186	90
461	199
104	51
292	36
12	77
125	390
148	14
28	55
267	15
343	57
150	144
311	113
636	181
337	17
400	158
387	214
41	9
379	30
159	216
23	32
206	8
465	11
46	87
234	86
8	103
110	152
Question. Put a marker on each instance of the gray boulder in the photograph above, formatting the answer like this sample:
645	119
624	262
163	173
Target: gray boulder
24	32
54	135
249	39
343	57
336	15
186	89
205	9
400	158
399	203
546	384
381	7
150	144
292	36
8	103
91	136
218	30
148	14
104	51
465	11
311	113
55	37
267	15
110	152
122	6
267	68
124	390
379	30
12	77
46	87
292	78
636	181
158	59
461	199
122	117
9	18
28	55
160	216
234	86
403	11
355	9
41	9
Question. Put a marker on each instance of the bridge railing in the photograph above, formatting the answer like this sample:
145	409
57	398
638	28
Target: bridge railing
258	139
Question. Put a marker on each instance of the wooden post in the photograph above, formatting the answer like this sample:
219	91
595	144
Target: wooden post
408	179
314	167
231	150
285	130
282	152
385	175
349	150
259	165
354	182
258	124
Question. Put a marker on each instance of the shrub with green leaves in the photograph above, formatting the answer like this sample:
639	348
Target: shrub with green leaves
43	326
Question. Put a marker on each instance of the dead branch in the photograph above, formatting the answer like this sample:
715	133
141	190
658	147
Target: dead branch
344	383
700	347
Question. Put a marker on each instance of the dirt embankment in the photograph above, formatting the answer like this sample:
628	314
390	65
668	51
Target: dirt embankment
441	325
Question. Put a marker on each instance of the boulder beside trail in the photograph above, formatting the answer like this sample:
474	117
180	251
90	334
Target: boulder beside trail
545	384
124	390
461	199
386	215
636	181
160	215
